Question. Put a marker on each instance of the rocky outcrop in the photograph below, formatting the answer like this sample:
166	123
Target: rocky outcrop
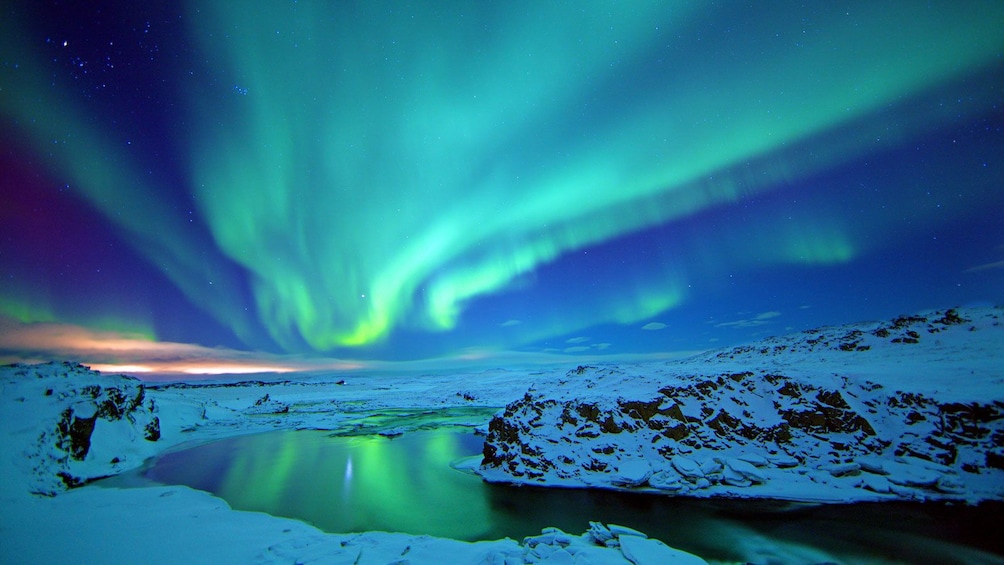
268	405
773	433
602	544
96	420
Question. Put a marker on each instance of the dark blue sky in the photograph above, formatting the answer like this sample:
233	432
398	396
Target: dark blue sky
395	181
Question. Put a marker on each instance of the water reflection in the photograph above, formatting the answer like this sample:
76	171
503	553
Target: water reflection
342	484
405	484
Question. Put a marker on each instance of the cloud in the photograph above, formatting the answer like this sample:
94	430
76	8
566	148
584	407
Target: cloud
577	340
985	266
758	320
590	347
653	326
510	323
121	352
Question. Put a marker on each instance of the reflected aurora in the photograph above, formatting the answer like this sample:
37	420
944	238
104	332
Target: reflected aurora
342	484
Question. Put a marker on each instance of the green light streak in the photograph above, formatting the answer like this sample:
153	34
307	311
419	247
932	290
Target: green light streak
24	311
369	166
31	304
105	174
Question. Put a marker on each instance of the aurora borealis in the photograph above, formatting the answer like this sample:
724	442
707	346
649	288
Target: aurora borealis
409	180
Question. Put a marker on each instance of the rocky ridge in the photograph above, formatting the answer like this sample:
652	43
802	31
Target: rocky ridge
770	430
96	426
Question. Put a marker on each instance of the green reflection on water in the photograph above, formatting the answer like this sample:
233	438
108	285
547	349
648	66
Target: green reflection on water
343	484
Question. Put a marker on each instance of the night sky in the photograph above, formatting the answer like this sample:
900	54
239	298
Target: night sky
335	184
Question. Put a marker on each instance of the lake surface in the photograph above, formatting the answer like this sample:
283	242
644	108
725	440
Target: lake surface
406	484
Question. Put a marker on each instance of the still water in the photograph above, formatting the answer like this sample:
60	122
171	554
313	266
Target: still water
406	484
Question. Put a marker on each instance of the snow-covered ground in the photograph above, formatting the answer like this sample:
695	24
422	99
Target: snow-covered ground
860	408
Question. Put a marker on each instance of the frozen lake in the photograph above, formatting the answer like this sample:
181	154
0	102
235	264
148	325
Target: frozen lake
406	484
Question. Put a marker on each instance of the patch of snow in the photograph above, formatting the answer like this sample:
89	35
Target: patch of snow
644	551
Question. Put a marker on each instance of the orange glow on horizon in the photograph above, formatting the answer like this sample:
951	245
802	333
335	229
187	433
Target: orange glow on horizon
111	368
233	369
113	352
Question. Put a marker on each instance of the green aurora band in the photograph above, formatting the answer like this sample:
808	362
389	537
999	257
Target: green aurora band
388	171
383	164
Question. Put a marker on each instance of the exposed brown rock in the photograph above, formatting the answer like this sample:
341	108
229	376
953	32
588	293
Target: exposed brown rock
640	410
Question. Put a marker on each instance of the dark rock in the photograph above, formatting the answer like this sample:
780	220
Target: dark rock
904	321
568	418
790	389
995	458
677	432
152	430
723	423
589	411
137	401
640	410
951	318
610	426
833	398
75	434
674	412
69	480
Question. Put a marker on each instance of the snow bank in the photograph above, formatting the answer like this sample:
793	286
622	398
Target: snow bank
71	425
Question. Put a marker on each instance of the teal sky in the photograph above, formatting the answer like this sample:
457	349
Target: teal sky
411	180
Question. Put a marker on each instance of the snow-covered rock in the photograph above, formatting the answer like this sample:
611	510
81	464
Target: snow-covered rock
631	473
743	470
268	405
687	467
645	551
602	545
790	417
78	425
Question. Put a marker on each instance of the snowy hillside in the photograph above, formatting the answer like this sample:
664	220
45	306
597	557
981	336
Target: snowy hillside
908	409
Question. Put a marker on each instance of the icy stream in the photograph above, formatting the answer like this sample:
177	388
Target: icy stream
370	482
